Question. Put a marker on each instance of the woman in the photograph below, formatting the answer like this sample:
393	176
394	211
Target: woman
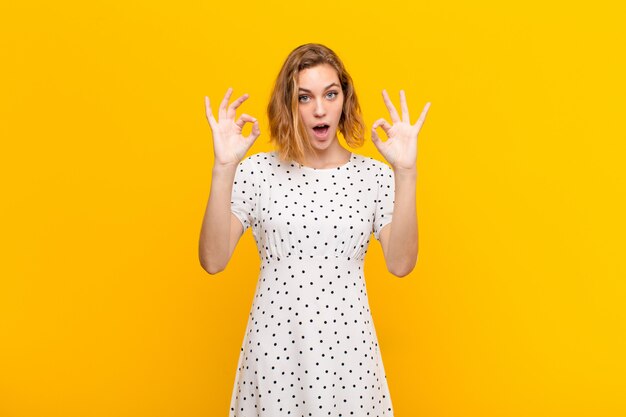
310	347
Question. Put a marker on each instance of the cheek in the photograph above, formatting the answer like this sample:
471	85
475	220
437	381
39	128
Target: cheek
338	110
301	112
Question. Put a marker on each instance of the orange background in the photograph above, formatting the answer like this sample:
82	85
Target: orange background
517	306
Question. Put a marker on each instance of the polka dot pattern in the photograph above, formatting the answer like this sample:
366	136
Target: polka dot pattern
310	347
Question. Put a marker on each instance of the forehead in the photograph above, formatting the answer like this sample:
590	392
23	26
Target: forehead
317	77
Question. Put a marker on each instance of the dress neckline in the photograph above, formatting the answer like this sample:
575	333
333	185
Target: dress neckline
345	165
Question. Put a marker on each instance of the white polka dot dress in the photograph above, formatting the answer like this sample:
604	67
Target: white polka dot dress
310	348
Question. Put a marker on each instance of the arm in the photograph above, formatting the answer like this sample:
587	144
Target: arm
400	240
221	229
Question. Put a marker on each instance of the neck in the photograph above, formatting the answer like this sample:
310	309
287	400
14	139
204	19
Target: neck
334	155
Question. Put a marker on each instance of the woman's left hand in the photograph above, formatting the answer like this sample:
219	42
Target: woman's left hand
400	148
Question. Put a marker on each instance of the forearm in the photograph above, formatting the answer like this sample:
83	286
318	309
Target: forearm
215	234
403	237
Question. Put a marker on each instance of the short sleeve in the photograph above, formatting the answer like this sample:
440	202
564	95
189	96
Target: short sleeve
385	199
243	202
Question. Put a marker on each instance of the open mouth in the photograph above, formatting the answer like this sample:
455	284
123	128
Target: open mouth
321	130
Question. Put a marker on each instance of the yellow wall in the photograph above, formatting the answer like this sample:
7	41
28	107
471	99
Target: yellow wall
517	304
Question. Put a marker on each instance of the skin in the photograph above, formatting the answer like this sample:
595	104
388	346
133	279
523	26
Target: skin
399	238
319	101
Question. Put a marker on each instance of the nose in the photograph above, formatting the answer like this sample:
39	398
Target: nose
320	110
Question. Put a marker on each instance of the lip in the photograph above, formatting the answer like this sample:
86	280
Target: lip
319	136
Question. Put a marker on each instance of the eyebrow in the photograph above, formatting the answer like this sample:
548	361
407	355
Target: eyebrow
326	88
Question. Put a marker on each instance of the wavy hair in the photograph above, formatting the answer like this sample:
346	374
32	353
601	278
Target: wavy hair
286	127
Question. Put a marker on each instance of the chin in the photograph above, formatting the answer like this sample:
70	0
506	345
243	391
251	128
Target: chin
321	145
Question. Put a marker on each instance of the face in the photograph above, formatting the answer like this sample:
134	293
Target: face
320	103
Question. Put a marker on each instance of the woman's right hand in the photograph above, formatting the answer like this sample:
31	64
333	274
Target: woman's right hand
229	145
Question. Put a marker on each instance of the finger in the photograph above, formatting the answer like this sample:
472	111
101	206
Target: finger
383	124
392	110
404	107
224	103
422	117
243	119
209	112
376	139
256	131
232	109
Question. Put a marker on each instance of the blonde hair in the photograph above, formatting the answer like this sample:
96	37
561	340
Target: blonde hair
286	127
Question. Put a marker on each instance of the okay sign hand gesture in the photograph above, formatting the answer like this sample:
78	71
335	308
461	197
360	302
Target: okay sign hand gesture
229	145
400	148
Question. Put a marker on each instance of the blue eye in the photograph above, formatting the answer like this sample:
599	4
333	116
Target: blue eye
300	98
334	93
